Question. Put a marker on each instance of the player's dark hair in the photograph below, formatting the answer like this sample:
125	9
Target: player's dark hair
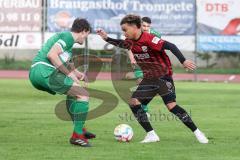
80	25
147	20
132	20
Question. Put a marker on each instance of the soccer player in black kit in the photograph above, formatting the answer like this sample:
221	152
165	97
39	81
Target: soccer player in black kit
149	53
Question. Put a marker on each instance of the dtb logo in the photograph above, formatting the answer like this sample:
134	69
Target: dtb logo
217	7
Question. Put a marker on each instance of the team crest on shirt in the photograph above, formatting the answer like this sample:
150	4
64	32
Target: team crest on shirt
144	48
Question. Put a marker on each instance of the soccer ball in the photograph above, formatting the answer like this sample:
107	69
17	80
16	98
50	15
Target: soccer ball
123	133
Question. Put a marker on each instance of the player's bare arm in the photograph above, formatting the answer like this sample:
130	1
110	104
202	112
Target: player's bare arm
53	56
131	57
81	76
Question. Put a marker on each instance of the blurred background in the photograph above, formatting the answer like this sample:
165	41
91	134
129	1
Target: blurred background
206	31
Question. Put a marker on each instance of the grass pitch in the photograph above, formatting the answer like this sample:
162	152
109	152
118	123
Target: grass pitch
30	130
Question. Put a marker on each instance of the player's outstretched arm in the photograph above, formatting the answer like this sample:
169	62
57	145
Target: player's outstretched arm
116	42
173	48
102	34
188	64
131	57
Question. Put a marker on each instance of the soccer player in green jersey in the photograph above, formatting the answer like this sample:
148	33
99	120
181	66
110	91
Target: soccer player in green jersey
146	27
50	72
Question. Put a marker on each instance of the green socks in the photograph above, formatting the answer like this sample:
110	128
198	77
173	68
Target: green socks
78	111
145	108
138	73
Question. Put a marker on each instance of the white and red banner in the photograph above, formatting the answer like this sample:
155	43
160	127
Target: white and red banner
218	23
20	40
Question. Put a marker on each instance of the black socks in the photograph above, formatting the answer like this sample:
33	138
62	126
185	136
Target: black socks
141	117
184	117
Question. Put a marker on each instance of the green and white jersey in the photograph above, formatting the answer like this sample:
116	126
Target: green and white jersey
154	32
64	40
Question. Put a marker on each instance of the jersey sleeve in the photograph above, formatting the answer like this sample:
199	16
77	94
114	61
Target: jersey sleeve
173	48
156	33
155	43
65	42
126	44
61	43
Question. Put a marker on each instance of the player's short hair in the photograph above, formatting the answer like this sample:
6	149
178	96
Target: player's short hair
132	20
80	25
147	20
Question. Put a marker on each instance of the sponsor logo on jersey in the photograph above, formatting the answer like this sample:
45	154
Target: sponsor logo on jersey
142	56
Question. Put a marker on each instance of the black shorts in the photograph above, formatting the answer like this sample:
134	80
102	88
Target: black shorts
149	88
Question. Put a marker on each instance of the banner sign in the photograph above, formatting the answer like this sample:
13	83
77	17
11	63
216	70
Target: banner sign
20	15
168	17
20	40
218	24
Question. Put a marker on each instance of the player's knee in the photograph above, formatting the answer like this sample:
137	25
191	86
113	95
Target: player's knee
171	105
134	102
82	98
77	91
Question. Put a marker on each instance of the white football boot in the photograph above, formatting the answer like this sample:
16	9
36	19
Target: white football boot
200	136
151	137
